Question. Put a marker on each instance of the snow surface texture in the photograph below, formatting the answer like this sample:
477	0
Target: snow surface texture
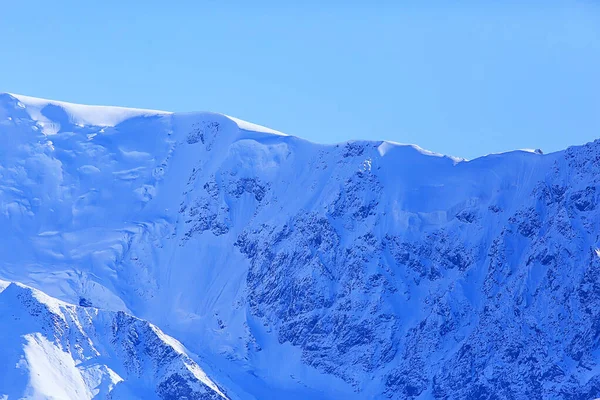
287	269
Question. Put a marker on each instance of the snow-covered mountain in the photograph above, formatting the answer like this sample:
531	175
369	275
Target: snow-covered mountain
287	269
51	349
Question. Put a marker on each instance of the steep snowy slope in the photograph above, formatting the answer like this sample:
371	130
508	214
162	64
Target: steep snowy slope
51	349
364	269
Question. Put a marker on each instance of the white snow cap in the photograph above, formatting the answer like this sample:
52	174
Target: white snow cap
105	116
82	114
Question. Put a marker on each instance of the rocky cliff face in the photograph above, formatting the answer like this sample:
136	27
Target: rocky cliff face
364	269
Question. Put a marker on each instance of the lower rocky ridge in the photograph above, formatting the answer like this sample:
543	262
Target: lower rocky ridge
53	349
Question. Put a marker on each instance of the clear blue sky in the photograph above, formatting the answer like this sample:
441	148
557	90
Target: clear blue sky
464	80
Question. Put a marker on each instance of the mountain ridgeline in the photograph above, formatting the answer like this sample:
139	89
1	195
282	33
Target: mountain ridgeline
280	268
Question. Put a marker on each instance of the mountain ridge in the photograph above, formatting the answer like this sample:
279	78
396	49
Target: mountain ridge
69	350
299	270
132	111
